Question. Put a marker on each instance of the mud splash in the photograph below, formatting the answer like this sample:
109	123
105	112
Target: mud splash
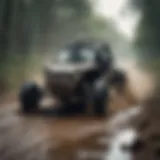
141	83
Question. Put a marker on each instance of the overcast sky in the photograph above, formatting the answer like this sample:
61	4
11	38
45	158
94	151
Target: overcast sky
119	11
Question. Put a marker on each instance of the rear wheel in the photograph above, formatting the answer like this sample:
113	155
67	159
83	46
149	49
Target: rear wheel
30	95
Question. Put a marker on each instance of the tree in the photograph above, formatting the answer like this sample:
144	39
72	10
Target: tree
148	32
148	35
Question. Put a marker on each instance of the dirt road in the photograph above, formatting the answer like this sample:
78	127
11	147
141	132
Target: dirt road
40	137
46	138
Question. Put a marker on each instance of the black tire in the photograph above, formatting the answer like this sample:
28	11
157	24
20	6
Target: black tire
30	95
100	99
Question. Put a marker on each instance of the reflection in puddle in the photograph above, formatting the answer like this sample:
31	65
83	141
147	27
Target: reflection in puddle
120	144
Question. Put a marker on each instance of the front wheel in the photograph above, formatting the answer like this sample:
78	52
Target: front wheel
30	95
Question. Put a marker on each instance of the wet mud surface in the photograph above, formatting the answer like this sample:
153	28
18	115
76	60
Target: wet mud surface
51	138
47	137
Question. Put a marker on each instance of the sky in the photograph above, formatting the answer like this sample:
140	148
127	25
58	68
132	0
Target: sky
118	11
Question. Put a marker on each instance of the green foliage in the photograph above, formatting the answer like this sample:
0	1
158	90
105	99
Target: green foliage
15	68
148	32
148	36
97	24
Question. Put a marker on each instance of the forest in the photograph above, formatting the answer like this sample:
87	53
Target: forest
32	29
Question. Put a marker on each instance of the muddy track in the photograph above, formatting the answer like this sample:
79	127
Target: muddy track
40	137
47	138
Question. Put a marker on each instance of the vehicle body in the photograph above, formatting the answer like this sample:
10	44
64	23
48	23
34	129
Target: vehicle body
68	74
82	75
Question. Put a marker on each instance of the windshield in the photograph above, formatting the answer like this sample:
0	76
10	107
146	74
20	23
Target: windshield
84	55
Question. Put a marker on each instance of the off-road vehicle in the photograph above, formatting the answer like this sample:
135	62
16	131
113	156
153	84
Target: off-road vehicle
81	74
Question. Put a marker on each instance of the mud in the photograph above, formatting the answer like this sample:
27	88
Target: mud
45	138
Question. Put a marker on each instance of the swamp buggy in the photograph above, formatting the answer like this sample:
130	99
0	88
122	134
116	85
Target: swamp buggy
82	73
